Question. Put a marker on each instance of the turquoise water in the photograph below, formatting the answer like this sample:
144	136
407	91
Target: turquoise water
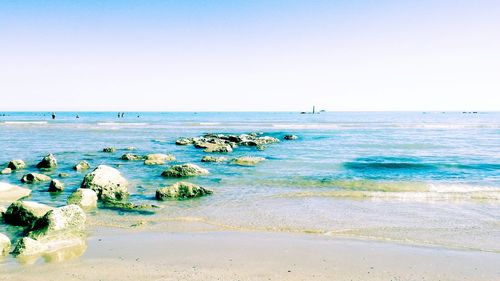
421	178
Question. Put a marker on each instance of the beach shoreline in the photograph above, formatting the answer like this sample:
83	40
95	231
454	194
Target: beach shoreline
122	255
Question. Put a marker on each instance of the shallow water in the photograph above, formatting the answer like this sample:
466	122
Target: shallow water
415	178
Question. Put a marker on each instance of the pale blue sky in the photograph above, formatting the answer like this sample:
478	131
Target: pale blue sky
249	55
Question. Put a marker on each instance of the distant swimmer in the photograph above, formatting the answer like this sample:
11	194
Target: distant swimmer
118	114
77	116
53	115
123	114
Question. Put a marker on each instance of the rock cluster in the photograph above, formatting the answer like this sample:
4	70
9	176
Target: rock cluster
227	142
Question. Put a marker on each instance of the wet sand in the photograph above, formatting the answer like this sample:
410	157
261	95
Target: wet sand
122	255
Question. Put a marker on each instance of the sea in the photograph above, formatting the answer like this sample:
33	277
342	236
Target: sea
419	178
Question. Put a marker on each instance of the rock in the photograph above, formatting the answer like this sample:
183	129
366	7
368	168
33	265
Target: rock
59	223
247	160
290	137
128	206
184	170
130	148
107	182
83	165
184	141
24	213
159	156
56	186
85	198
213	159
131	157
34	178
218	148
6	171
181	190
63	175
154	162
10	193
17	164
48	162
27	246
109	149
4	244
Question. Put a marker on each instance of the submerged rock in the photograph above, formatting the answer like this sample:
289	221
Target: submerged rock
63	175
109	149
10	193
181	190
247	160
83	197
160	157
34	178
213	159
107	182
6	171
184	141
83	165
56	186
184	170
48	162
128	206
154	162
24	213
4	244
290	137
131	157
17	164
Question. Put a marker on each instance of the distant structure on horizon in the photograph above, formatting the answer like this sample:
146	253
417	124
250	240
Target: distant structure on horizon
313	111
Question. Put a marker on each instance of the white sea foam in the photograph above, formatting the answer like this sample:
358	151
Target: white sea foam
121	124
25	122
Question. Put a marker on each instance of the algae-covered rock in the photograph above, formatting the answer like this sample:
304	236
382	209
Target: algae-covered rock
56	186
290	137
24	213
48	162
247	160
4	244
218	147
34	178
10	193
184	170
213	159
107	182
109	149
131	157
29	247
83	165
83	197
17	164
6	171
59	223
181	190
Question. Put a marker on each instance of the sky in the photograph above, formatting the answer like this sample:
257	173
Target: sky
268	55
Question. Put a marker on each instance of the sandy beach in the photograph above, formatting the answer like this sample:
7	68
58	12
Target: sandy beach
113	255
